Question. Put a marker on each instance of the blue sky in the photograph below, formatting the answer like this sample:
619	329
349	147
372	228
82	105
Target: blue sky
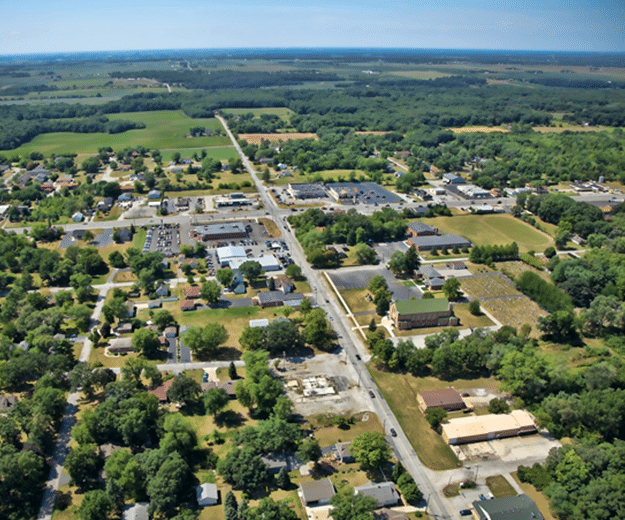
44	26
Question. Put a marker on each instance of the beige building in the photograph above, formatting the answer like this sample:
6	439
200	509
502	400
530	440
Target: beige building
488	427
448	399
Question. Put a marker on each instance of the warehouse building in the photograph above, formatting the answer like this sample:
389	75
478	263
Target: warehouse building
223	231
427	243
468	191
231	254
410	314
488	427
361	193
306	190
419	229
448	399
267	262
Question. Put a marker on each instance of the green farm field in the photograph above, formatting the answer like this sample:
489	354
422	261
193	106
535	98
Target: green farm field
494	229
282	112
164	130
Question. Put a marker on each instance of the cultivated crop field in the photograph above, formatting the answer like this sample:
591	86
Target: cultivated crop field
494	229
257	138
164	129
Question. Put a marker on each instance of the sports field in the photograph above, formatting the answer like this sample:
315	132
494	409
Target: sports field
493	229
163	129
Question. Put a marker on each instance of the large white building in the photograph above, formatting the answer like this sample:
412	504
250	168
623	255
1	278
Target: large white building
229	255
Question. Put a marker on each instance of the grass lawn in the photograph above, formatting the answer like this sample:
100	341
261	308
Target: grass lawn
461	310
500	487
97	355
282	112
494	229
400	390
164	129
114	214
223	153
271	227
125	276
355	299
537	496
327	433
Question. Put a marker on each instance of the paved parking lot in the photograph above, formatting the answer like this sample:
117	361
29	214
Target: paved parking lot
385	250
358	278
163	239
103	239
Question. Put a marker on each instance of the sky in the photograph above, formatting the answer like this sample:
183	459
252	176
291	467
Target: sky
44	26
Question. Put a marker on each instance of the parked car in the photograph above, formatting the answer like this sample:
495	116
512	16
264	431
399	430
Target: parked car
465	512
371	394
393	432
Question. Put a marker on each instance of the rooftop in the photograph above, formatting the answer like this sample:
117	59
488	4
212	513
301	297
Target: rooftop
441	398
421	306
317	490
520	507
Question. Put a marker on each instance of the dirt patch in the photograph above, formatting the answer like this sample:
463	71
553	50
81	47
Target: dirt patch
476	129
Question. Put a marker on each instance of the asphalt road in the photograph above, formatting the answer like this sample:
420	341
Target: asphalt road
352	346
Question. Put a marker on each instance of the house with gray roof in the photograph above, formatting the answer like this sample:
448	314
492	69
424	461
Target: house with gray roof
276	298
384	492
342	453
316	493
520	507
138	511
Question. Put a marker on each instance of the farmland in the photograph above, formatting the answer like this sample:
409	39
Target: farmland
494	229
478	129
257	138
163	129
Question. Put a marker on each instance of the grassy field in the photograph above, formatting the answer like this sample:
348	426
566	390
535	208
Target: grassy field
326	432
257	138
478	129
164	130
355	299
494	229
400	391
223	153
500	487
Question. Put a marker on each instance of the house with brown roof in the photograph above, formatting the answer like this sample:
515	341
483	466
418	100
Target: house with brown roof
448	399
187	305
192	292
316	493
161	391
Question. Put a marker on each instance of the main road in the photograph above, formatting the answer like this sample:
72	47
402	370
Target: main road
352	346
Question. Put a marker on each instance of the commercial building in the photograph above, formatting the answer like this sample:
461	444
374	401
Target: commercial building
488	427
231	254
410	314
306	190
223	231
267	262
361	193
468	191
448	399
452	178
276	299
419	229
520	507
428	243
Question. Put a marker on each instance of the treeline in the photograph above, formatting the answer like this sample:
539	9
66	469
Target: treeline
494	253
229	79
547	295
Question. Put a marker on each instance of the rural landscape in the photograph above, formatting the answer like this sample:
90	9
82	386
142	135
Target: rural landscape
312	284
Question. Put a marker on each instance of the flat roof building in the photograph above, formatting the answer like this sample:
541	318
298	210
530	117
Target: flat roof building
222	231
520	507
464	430
410	314
306	190
361	193
419	229
428	243
473	192
448	399
452	178
230	254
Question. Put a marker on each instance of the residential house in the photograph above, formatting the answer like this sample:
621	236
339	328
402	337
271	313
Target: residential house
278	461
162	290
154	304
161	391
284	284
131	309
409	314
125	197
104	205
187	305
226	386
171	331
384	492
78	217
389	514
120	346
138	511
7	402
316	493
207	495
275	298
124	328
192	292
448	399
154	195
342	453
124	234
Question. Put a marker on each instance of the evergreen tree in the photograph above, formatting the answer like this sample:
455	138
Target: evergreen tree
283	480
232	370
231	506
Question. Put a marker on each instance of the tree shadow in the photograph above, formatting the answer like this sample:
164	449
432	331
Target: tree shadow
230	419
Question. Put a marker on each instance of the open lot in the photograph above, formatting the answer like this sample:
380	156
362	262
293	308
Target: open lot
494	229
163	129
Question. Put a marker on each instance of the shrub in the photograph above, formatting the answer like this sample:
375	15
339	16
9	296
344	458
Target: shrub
474	308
